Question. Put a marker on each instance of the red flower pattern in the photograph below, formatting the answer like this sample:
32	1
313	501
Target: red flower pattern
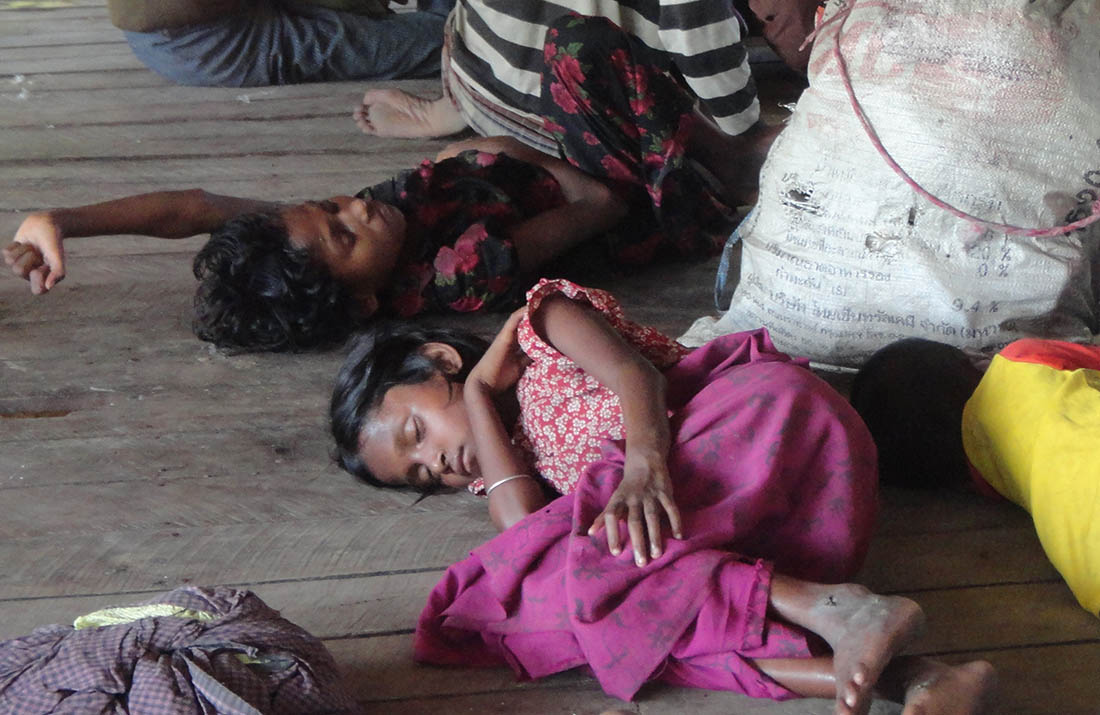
566	414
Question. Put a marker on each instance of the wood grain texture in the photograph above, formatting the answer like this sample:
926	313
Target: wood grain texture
134	458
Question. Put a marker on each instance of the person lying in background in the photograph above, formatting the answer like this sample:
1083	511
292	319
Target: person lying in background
468	232
1028	430
744	486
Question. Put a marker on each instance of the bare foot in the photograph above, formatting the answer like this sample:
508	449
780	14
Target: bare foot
395	113
939	689
865	631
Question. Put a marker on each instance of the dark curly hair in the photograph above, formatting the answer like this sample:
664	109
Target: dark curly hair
257	291
386	356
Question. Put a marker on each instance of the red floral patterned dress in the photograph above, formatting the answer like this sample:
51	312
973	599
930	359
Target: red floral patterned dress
617	113
458	212
566	414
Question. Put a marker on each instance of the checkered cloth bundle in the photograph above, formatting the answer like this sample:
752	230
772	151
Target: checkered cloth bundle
239	656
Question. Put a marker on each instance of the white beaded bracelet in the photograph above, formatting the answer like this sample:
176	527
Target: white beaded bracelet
506	479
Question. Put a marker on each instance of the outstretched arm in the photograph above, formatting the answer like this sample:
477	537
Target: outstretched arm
582	335
37	253
592	208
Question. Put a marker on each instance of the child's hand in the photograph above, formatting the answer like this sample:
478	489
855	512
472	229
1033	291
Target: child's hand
646	490
503	362
36	253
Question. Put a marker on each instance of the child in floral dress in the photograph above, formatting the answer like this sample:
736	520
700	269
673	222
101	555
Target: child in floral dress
744	485
466	232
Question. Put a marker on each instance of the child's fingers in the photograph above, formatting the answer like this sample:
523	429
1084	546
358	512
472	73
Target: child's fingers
653	526
54	257
637	534
37	277
673	513
24	260
11	251
611	525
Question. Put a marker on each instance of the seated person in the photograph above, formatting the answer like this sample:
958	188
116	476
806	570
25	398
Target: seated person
492	56
764	475
465	233
1028	430
251	43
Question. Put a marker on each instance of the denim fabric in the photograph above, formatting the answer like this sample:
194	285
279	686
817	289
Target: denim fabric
285	42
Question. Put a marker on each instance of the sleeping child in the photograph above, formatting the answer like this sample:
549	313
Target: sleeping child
714	502
467	232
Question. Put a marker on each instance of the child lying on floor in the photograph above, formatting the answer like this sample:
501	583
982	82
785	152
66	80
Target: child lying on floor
466	233
1030	432
764	475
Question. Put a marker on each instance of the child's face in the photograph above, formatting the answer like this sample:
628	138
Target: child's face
420	436
357	240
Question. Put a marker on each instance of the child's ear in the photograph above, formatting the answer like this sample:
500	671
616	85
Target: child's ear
443	355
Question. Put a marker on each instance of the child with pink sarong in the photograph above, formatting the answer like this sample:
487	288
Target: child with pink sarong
775	495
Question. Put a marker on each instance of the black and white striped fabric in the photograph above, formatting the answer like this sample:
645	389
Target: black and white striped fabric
494	57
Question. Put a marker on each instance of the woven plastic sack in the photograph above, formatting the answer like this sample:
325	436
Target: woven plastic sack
992	108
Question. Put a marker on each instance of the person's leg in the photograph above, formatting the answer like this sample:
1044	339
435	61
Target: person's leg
292	42
396	113
864	630
925	686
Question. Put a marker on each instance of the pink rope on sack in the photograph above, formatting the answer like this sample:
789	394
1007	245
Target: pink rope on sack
842	16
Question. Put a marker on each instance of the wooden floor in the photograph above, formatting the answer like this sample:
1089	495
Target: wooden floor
134	458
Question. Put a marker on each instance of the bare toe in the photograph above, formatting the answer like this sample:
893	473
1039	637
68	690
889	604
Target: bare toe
945	690
865	632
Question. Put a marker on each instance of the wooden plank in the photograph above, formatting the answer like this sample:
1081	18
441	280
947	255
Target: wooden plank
148	105
1006	616
566	699
57	561
335	608
359	606
133	78
381	669
938	559
1048	680
334	135
109	62
86	36
273	453
941	509
665	700
34	55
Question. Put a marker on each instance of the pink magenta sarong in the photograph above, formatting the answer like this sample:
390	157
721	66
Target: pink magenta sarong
772	469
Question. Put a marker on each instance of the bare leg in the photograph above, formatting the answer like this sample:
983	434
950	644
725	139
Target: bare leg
396	113
734	160
927	687
864	630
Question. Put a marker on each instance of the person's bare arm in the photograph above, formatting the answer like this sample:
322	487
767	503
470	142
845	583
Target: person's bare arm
582	335
497	371
592	208
37	252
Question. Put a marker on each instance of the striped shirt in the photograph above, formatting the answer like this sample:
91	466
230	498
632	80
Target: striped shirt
493	62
